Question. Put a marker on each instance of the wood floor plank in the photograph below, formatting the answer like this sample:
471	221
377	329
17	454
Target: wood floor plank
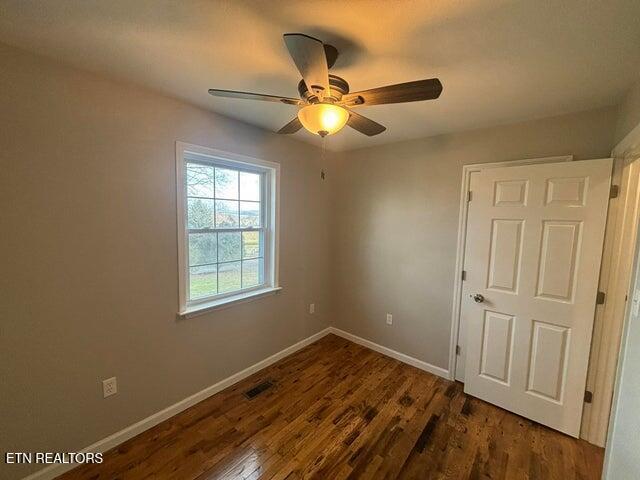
337	410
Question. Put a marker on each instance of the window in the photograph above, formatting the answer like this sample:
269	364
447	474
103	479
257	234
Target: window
227	211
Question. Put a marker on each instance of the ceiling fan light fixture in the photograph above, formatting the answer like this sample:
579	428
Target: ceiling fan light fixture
323	118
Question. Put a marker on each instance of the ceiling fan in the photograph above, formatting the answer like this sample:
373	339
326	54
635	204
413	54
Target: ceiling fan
325	99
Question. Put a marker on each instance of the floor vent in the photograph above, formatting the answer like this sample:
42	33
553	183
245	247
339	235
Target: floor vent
258	389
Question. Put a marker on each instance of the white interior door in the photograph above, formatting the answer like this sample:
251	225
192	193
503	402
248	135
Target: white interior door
534	245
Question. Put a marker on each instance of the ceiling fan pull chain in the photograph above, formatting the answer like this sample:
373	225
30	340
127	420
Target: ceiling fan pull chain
324	140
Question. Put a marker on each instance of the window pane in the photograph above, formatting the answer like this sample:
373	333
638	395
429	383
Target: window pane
229	277
199	179
226	184
226	214
249	214
251	244
229	246
200	213
249	186
202	281
202	248
252	272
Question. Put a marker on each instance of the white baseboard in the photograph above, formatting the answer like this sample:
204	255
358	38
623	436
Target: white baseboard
427	367
131	431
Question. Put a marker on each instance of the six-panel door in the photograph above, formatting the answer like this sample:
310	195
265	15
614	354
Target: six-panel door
535	236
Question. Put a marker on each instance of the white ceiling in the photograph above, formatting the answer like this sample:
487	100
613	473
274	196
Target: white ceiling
500	61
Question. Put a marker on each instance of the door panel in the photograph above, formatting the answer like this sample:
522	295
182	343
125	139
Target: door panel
568	192
547	364
504	262
511	193
534	244
560	242
496	346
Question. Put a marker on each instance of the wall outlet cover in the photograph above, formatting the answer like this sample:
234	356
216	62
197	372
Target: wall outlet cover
109	387
389	319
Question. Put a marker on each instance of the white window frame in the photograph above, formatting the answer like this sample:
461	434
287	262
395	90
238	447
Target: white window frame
270	219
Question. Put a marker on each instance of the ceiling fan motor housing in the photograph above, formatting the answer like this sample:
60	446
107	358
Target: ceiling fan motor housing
339	87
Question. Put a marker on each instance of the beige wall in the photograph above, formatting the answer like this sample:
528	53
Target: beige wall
628	113
89	263
396	224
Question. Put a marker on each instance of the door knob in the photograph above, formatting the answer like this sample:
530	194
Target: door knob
477	297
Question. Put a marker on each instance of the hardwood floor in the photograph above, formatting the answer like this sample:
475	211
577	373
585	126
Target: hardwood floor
338	410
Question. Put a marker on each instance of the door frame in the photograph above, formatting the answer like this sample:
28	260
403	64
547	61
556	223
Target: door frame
467	170
615	281
633	162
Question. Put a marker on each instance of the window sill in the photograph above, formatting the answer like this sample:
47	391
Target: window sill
201	309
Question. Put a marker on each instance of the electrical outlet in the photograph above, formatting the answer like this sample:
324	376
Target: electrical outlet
389	319
312	308
109	387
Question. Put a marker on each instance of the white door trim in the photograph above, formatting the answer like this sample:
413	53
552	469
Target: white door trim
616	277
609	460
467	170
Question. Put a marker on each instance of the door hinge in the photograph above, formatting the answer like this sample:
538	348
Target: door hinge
600	298
469	195
614	191
464	275
588	396
458	349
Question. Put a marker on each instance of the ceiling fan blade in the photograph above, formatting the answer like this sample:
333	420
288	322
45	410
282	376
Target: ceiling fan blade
308	54
292	127
331	53
254	96
399	93
364	125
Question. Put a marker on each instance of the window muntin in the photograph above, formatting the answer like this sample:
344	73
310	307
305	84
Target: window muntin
228	218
